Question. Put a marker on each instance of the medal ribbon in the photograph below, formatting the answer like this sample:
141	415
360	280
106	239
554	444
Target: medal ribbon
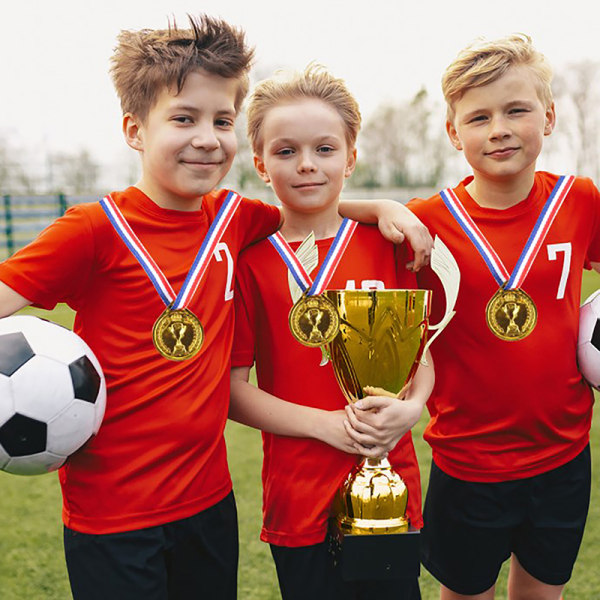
533	244
327	269
163	287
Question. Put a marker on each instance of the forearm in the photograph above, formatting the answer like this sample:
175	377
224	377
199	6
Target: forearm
365	211
256	408
423	382
10	301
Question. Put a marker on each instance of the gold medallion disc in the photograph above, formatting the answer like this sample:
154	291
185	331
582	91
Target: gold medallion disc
511	314
178	334
314	321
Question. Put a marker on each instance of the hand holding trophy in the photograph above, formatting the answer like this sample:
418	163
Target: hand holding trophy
381	339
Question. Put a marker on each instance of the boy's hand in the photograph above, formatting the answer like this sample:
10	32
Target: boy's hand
332	430
397	223
376	423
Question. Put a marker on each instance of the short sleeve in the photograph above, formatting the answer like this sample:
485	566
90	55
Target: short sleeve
258	219
242	354
56	266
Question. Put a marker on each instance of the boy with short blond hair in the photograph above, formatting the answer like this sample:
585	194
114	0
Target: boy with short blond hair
303	131
510	412
148	506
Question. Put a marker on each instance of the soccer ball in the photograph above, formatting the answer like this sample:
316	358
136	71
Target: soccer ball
52	395
588	345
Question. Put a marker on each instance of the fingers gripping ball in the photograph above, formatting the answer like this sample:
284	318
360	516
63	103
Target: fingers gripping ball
52	395
588	345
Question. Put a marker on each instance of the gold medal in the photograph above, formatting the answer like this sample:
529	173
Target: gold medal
511	314
178	334
314	321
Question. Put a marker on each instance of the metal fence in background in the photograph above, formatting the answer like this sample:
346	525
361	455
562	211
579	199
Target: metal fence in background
23	217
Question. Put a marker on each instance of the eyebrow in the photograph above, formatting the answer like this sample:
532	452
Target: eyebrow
195	110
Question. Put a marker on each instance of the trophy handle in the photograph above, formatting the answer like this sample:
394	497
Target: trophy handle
446	268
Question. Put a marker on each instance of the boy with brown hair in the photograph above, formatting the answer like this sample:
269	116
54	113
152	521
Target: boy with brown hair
147	505
303	132
510	412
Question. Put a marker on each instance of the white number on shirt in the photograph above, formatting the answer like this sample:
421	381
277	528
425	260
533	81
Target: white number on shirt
365	284
222	247
553	250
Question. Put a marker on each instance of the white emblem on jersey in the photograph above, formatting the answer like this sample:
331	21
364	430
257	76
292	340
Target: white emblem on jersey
223	247
553	250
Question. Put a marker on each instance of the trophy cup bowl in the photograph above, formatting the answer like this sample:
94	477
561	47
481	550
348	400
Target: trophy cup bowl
381	339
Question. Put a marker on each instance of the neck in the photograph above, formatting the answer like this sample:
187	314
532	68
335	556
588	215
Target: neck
168	201
500	193
296	226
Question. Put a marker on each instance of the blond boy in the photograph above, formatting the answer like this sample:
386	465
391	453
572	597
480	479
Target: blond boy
510	413
303	131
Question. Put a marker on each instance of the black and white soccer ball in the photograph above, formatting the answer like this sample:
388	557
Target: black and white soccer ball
588	344
52	395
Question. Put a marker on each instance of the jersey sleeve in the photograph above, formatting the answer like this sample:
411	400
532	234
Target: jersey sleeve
259	220
242	354
56	266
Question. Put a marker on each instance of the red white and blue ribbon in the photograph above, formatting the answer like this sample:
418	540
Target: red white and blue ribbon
156	276
327	269
533	244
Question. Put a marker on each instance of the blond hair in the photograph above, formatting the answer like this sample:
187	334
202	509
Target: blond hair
485	61
314	82
146	61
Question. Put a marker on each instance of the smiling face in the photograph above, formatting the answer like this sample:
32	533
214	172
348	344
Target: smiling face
187	142
305	155
500	127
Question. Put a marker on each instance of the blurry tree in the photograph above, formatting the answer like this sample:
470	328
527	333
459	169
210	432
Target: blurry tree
577	88
242	175
403	145
13	177
75	173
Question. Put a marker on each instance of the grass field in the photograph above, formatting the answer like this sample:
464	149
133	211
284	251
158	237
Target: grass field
31	558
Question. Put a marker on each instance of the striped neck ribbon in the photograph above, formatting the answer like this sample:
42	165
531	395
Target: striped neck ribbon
198	268
533	244
327	269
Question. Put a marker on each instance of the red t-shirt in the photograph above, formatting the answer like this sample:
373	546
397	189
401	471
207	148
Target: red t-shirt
160	454
301	476
504	410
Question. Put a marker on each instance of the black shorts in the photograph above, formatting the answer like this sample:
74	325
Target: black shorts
472	528
309	572
194	558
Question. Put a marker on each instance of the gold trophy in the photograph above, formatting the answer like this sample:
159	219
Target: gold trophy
382	338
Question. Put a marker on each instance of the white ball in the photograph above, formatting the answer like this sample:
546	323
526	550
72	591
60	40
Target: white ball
588	344
52	395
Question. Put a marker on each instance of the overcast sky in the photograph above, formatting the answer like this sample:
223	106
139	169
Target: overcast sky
56	93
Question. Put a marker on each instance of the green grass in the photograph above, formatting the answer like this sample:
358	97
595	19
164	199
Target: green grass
31	556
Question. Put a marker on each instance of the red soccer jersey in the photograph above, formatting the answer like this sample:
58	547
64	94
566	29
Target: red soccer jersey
301	476
160	454
505	410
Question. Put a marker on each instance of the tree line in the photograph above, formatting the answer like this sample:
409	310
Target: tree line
401	145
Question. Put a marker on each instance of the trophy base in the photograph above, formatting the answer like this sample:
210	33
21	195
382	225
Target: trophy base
376	557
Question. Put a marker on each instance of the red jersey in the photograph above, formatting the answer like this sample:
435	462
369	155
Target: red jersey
160	454
503	410
301	475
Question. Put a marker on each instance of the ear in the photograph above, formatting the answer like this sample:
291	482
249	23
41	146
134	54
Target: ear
350	163
259	165
550	120
453	135
132	130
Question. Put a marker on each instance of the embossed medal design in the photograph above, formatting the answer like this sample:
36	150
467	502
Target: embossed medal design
178	334
511	314
314	321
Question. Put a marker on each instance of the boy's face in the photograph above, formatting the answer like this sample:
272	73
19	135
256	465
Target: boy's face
501	126
305	154
187	142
